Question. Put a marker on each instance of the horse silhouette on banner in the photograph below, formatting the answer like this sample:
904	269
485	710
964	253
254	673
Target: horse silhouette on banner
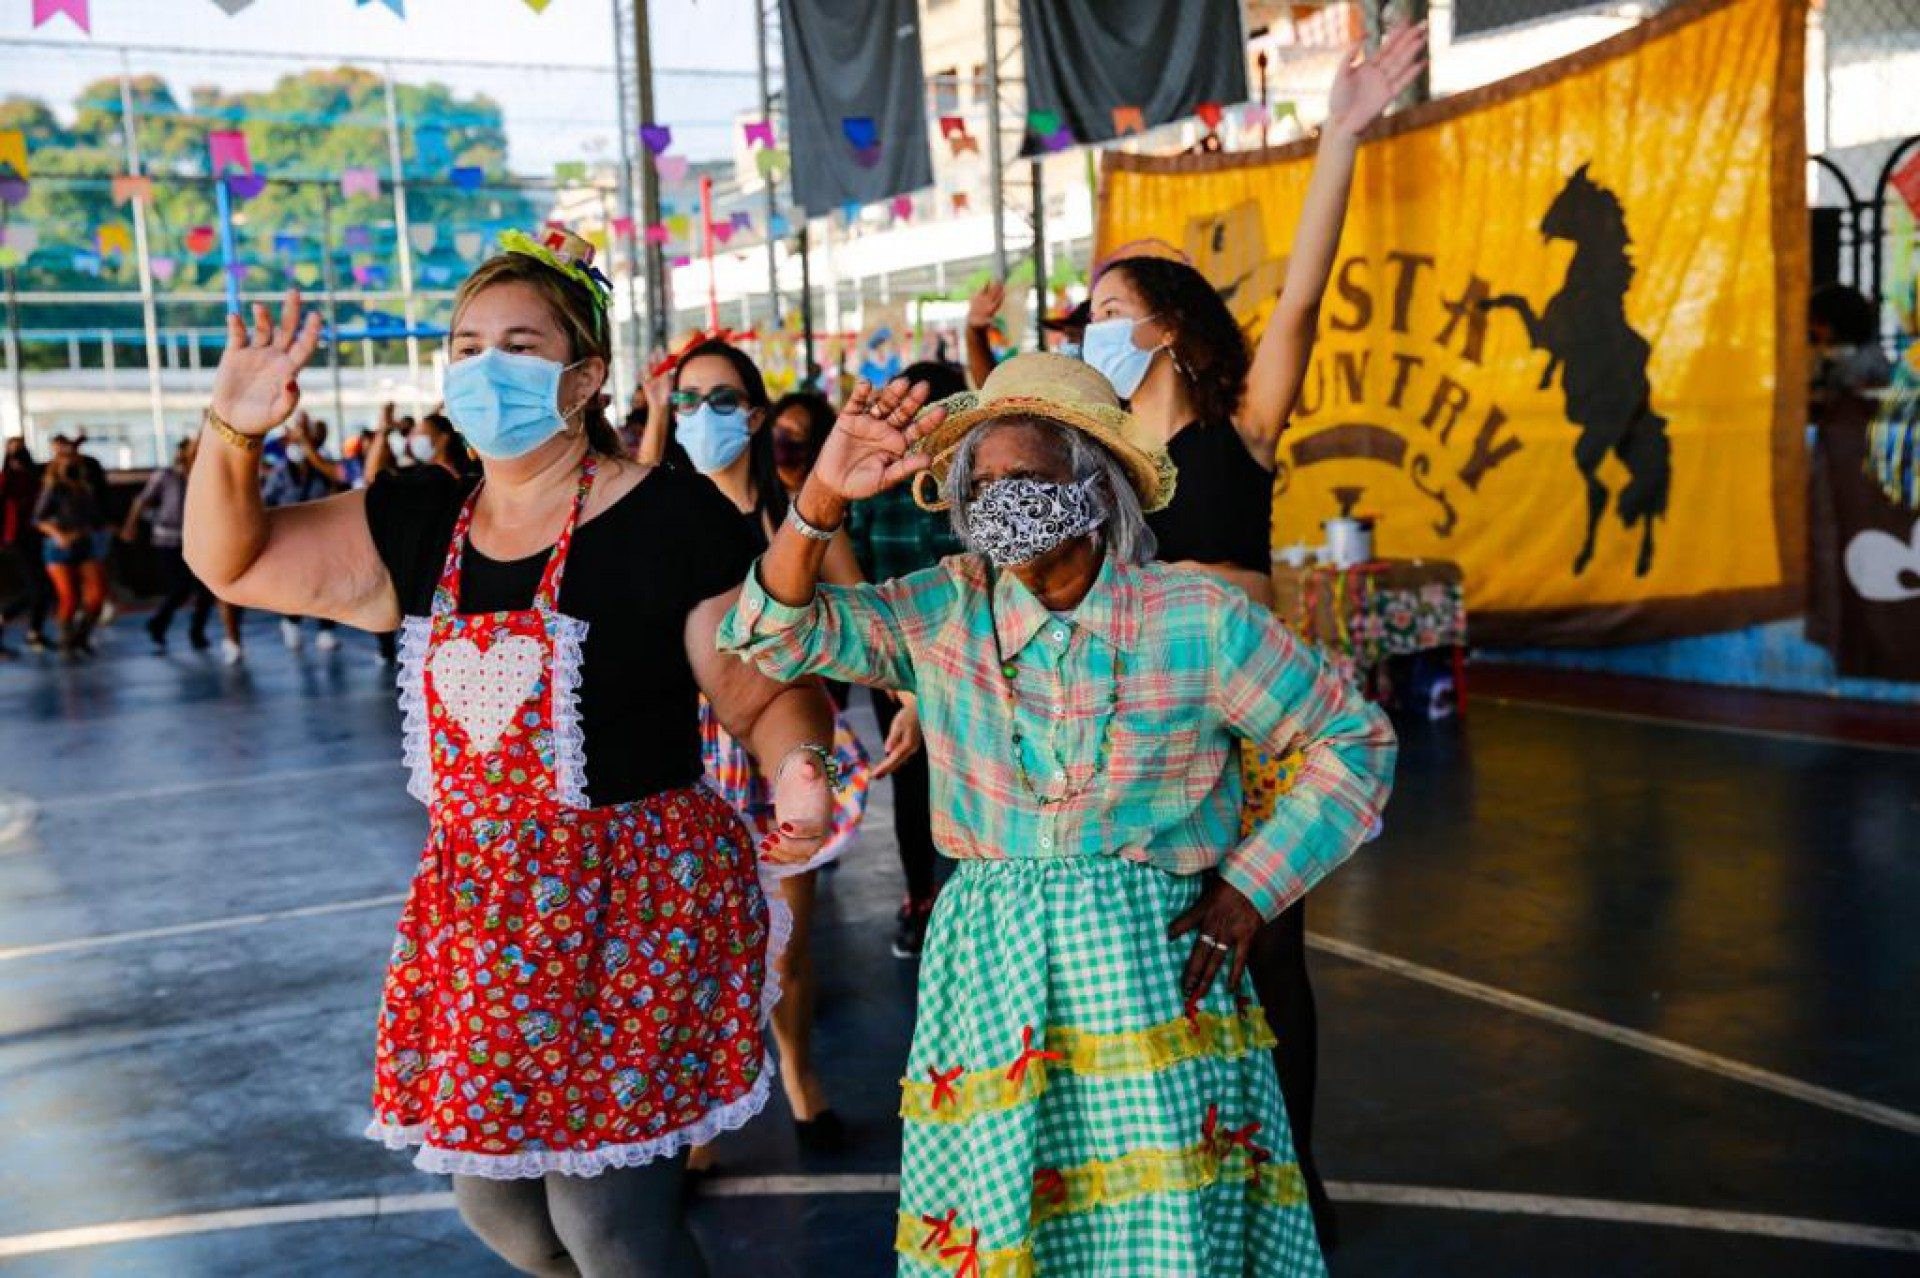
1602	362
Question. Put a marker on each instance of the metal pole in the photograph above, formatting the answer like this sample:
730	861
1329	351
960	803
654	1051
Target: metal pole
401	233
16	349
1421	90
706	246
996	162
636	360
766	114
1039	257
806	295
616	333
149	315
649	177
332	302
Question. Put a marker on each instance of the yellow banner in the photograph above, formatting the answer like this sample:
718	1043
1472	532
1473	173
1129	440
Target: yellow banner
1563	344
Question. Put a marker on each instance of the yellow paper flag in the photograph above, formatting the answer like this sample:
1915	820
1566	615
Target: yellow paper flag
115	238
13	152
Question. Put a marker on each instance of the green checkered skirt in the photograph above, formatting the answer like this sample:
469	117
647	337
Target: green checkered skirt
1067	1112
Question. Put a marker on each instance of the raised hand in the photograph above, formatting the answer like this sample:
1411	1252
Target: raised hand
257	384
868	451
1365	86
986	303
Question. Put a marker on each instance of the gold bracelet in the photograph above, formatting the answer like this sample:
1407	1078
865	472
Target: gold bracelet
249	443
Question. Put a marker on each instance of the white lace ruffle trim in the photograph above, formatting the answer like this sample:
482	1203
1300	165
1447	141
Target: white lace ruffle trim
569	738
574	1162
414	733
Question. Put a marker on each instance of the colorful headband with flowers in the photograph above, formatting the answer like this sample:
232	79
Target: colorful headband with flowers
570	255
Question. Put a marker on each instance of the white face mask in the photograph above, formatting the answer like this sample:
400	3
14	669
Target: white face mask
420	448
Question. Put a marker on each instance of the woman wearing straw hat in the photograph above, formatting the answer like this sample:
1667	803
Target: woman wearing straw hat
1087	1091
577	989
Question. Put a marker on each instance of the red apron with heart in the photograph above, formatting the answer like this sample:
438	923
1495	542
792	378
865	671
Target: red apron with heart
573	988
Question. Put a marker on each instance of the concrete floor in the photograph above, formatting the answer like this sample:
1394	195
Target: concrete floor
1609	997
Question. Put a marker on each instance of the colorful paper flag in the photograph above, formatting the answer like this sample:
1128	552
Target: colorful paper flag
238	272
200	241
163	268
13	191
570	171
867	157
681	226
227	150
722	232
423	236
45	11
1128	119
87	263
623	226
467	177
672	168
741	220
23	237
468	243
961	202
860	132
952	126
357	238
1210	114
245	186
964	143
850	211
129	186
13	153
759	132
657	137
780	226
1256	116
659	233
1058	140
9	257
903	207
360	181
772	162
538	6
232	7
1043	123
682	260
430	147
307	274
1906	180
286	244
399	7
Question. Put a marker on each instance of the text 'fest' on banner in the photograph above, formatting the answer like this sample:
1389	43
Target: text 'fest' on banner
1564	341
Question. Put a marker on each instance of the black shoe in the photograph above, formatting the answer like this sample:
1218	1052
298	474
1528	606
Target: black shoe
158	634
910	928
199	640
824	1133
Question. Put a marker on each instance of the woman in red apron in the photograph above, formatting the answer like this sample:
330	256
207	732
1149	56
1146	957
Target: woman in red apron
585	960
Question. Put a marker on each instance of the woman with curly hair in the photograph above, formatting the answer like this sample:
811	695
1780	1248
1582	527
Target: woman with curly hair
1166	340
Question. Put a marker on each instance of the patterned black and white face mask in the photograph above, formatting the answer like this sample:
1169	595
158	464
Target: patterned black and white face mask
1015	521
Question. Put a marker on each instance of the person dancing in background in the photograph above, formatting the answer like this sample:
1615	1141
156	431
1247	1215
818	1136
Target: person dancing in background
1166	340
577	989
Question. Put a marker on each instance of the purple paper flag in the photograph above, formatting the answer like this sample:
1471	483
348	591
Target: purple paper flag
358	239
246	186
13	191
658	137
741	221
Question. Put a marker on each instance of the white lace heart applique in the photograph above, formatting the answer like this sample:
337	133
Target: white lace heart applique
484	690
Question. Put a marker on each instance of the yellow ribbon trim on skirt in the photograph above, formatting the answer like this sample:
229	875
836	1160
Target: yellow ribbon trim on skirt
1146	1051
1066	1191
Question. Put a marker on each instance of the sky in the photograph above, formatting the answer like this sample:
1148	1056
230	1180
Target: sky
703	66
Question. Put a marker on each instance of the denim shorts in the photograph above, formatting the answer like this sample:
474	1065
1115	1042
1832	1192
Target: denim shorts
53	553
102	544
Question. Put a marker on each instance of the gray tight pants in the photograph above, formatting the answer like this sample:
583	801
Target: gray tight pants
627	1223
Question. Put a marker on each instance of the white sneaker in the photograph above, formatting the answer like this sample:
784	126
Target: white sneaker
232	653
290	635
326	641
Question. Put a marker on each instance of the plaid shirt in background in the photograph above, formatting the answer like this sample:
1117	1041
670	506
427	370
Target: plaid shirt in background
893	537
1199	664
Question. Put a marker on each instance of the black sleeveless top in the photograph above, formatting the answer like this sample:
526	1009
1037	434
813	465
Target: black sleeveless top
1222	508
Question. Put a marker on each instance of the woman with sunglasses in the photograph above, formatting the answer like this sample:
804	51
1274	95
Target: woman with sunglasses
722	421
1166	340
576	993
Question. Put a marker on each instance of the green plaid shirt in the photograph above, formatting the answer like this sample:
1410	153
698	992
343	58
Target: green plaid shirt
892	536
1126	711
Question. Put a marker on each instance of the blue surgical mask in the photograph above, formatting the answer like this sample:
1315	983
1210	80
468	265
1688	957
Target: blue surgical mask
1108	346
505	405
1070	349
713	439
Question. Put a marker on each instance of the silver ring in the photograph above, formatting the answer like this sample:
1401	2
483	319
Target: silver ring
1208	940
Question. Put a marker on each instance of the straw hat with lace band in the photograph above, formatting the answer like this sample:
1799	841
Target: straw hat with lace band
1048	388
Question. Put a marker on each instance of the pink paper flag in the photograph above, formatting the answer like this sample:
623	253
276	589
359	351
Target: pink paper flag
131	187
22	237
623	226
673	168
759	132
227	148
722	232
903	206
683	260
45	11
659	234
1257	116
163	268
360	182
